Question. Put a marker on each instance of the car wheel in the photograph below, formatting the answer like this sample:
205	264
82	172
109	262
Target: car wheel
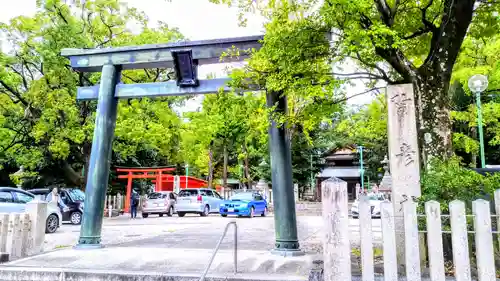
223	215
170	211
76	218
252	212
161	215
145	215
52	224
205	212
180	214
264	213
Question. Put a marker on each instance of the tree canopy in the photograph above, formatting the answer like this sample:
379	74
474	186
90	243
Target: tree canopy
435	45
44	129
398	41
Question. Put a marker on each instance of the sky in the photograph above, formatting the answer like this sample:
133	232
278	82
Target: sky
196	20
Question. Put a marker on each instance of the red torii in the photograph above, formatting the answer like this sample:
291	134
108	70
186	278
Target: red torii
161	178
139	173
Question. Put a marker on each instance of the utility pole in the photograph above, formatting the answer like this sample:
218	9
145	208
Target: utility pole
312	176
187	174
361	169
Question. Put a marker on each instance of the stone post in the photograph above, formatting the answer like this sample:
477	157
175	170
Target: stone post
13	238
26	235
485	253
296	192
336	244
403	154
177	185
110	207
460	241
119	202
37	210
4	230
358	190
497	212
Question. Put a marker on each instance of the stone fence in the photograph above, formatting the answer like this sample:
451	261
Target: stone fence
23	234
472	244
114	205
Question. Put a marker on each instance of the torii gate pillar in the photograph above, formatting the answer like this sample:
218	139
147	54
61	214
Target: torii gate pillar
100	155
184	57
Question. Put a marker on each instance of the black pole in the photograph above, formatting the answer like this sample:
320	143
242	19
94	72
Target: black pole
285	220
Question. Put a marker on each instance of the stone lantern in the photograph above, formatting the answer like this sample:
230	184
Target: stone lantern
20	176
386	183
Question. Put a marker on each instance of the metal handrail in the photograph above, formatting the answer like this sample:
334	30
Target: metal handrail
202	278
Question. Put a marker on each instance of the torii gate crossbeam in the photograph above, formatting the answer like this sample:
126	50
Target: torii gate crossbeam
184	57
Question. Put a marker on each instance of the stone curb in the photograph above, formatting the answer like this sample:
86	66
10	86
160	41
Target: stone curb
11	273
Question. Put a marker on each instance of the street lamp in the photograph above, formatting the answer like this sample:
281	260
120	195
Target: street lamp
477	84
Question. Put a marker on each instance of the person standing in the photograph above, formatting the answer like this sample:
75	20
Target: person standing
134	202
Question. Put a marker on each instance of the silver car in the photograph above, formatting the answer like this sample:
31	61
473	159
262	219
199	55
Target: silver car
13	200
159	203
202	201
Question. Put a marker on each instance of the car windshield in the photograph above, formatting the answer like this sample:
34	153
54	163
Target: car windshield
187	193
242	196
76	194
376	197
156	195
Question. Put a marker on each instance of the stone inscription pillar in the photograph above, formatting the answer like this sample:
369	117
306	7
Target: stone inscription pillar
403	154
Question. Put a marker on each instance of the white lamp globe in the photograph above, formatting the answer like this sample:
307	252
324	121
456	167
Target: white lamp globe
478	83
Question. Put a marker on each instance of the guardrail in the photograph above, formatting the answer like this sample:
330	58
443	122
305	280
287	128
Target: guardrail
207	268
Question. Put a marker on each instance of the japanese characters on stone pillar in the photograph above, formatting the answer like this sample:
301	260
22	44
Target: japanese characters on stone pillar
336	243
403	153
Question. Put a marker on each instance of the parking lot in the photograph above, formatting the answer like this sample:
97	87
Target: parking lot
193	231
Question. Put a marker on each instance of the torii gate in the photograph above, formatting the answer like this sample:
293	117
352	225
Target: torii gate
184	57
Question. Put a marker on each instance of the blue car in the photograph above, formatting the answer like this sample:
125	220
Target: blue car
246	204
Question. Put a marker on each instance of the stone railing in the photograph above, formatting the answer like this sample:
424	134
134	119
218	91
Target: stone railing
23	234
472	242
115	205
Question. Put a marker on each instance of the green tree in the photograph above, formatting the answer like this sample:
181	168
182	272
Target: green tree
293	62
479	55
414	42
367	127
44	128
222	135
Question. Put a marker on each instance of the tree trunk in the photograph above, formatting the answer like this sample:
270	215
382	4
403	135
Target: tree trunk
210	167
433	114
70	174
224	175
247	167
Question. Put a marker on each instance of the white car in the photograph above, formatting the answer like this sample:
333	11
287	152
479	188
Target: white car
375	199
13	200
